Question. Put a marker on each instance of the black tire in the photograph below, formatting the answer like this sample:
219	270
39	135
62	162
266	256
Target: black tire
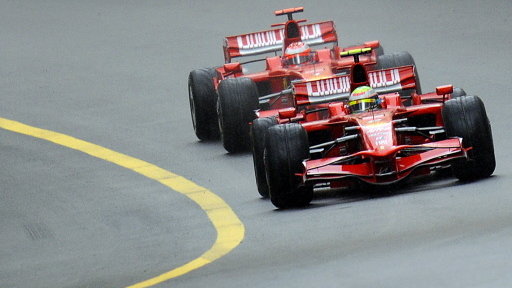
458	92
380	50
286	147
399	59
259	131
466	117
203	99
238	98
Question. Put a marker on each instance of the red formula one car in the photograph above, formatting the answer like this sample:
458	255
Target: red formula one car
381	145
223	100
312	98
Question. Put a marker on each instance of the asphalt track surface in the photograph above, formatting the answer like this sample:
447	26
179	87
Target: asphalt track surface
114	73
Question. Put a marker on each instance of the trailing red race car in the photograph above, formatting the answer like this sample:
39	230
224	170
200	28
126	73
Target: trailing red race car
223	100
378	140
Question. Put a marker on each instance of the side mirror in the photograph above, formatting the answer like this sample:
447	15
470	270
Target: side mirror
287	113
233	68
443	90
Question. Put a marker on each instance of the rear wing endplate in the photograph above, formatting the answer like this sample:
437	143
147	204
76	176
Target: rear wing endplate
272	40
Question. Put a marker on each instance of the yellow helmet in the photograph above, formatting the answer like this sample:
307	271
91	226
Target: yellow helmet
362	99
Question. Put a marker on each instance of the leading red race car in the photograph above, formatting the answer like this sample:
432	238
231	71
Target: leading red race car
381	144
223	100
312	98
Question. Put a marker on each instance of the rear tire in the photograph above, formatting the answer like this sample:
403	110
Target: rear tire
238	98
465	117
399	59
458	92
202	98
380	50
259	131
286	147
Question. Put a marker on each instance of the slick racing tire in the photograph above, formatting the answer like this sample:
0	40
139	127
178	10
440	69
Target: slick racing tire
466	117
203	98
286	147
399	59
259	131
458	92
380	50
238	98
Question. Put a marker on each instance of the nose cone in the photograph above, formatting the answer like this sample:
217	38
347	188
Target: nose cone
379	137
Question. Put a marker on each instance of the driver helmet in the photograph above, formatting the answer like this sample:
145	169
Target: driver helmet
362	99
297	53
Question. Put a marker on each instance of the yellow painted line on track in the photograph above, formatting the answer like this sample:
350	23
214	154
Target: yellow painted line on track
230	230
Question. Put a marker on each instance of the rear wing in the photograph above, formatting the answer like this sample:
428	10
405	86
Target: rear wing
272	40
332	89
337	88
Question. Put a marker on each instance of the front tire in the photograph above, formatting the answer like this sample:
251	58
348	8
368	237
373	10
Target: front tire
286	147
259	130
202	98
465	117
238	98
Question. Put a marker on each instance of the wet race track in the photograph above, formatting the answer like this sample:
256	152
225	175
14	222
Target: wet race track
114	74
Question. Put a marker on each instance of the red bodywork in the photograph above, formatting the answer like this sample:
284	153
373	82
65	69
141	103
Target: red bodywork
274	40
328	63
381	146
322	94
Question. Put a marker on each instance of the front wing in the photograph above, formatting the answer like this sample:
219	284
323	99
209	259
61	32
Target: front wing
383	167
